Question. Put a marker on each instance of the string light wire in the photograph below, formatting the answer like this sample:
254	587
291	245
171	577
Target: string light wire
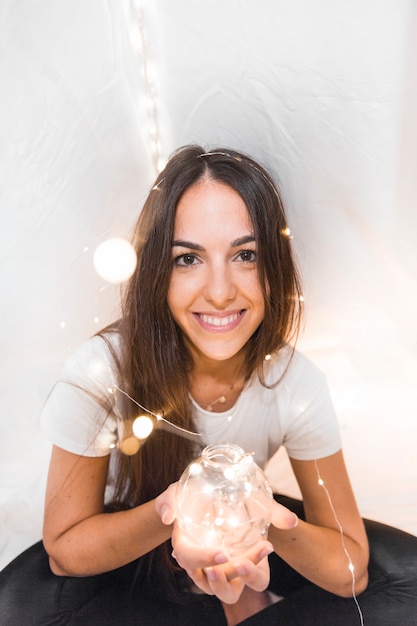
140	39
351	567
188	434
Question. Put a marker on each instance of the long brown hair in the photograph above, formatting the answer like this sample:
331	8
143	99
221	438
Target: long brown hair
154	361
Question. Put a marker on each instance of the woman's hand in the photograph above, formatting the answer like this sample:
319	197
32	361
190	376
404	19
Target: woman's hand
212	571
209	567
165	504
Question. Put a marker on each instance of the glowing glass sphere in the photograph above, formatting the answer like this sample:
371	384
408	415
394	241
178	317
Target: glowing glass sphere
115	260
224	499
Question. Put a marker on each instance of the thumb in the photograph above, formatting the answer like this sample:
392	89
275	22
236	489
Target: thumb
282	517
165	505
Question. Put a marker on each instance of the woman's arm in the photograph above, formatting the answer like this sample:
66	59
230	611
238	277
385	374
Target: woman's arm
317	548
80	538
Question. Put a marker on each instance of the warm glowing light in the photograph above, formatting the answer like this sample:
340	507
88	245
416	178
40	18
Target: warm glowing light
226	502
162	161
115	260
129	445
142	426
195	469
230	473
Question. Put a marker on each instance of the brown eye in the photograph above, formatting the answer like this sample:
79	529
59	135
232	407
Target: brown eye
185	259
247	256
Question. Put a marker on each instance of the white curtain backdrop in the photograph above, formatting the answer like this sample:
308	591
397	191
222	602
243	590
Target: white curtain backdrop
95	93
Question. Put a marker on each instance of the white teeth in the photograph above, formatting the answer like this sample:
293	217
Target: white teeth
219	321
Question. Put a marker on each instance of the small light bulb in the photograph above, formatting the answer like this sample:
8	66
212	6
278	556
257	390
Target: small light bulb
230	473
195	469
162	161
129	445
115	260
142	427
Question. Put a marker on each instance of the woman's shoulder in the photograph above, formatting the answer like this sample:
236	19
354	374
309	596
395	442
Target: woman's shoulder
93	359
289	364
77	415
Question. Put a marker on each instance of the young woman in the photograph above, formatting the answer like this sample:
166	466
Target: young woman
209	318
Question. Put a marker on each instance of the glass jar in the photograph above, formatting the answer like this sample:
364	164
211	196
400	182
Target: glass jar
224	499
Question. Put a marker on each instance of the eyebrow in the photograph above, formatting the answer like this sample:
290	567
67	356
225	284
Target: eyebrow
241	241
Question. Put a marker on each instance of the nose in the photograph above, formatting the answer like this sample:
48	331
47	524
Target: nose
220	287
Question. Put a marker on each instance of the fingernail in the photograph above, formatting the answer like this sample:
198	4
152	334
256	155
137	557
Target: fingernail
241	570
164	511
211	574
295	524
268	550
220	558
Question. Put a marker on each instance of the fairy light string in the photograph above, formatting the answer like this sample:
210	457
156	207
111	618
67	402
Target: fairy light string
351	568
187	434
140	44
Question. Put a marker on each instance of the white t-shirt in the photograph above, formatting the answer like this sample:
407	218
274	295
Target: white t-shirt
297	413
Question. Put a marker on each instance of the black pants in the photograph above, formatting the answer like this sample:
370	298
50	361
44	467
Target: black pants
31	595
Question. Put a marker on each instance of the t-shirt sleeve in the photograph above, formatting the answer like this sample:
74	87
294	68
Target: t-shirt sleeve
77	414
312	429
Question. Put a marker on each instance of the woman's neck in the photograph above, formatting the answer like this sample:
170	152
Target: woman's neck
216	385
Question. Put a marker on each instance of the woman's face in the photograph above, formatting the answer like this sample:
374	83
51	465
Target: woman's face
214	293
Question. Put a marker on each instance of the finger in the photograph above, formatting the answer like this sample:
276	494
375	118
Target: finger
253	557
254	576
200	579
192	556
227	591
257	552
282	517
165	505
213	582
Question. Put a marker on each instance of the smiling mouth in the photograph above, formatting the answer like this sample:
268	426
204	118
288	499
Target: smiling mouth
218	321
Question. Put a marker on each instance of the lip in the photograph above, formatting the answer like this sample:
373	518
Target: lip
219	322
